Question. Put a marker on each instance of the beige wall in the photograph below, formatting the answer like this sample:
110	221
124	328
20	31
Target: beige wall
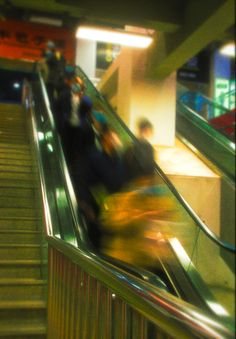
86	56
138	96
157	101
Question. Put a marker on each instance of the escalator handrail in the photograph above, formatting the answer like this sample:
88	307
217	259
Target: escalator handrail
214	133
209	101
195	217
149	300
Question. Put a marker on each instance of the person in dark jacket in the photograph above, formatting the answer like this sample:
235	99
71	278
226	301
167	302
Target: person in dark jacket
139	157
56	66
66	113
106	164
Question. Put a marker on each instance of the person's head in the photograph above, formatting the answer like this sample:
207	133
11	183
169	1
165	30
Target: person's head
80	83
51	45
109	140
99	121
85	107
69	75
76	88
49	50
145	128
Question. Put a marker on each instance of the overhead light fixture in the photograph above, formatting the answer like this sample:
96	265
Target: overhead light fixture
46	20
228	49
113	36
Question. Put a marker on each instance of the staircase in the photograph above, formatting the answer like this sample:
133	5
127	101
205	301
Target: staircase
22	288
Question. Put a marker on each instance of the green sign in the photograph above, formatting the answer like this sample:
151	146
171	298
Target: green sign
222	86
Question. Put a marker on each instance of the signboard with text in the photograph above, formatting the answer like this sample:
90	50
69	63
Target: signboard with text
26	41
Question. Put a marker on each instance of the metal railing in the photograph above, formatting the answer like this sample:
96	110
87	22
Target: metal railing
89	298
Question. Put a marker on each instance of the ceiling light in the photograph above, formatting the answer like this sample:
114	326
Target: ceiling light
46	21
228	49
113	36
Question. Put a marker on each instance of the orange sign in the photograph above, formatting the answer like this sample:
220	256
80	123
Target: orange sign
25	40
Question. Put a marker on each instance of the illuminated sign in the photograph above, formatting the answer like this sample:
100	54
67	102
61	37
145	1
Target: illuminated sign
24	40
220	89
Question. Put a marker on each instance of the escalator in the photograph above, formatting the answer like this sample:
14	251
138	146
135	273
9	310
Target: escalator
195	123
179	251
188	238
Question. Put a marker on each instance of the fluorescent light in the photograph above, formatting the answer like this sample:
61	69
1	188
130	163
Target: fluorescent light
112	36
228	50
46	21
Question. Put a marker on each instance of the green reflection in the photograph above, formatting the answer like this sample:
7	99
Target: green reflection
50	148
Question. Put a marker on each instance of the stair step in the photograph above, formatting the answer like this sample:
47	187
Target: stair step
13	138
22	304
17	223
13	126
22	311
24	269
17	169
23	330
4	182
20	251
17	202
17	175
15	162
16	192
21	212
17	153
22	289
21	154
20	236
14	148
11	110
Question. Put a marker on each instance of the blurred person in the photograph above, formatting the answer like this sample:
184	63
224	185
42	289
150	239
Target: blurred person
137	222
99	122
66	112
106	162
139	157
145	130
82	174
56	65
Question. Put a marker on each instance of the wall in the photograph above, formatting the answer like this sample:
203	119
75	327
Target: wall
86	56
138	96
155	100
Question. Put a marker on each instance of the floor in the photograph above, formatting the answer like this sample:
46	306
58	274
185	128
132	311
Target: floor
180	160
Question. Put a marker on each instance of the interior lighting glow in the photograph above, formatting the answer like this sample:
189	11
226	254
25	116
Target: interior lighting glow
16	85
46	21
228	50
50	148
115	37
40	136
217	308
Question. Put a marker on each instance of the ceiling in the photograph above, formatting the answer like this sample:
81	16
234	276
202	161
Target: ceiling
183	27
164	15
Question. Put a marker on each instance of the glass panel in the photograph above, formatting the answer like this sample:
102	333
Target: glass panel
157	216
214	145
